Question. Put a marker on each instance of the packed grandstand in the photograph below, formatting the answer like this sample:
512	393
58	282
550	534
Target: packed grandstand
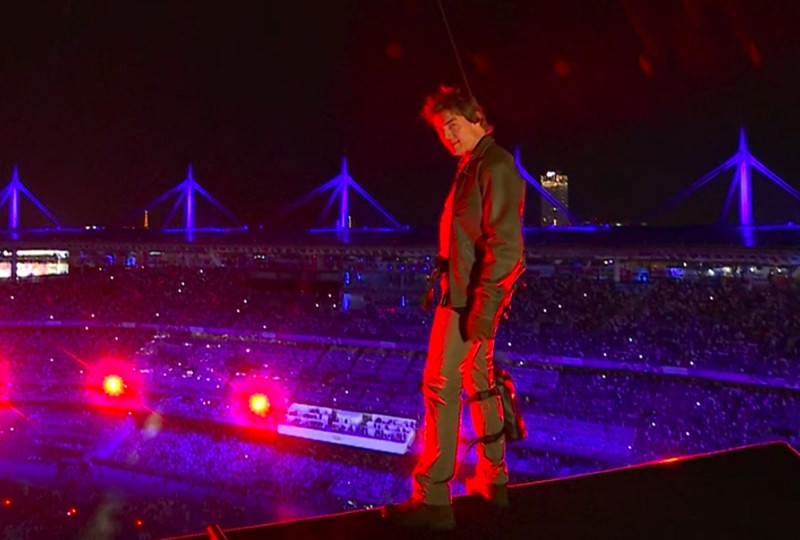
151	390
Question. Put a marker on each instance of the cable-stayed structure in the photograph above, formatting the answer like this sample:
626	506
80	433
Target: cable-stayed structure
186	197
741	162
339	188
12	194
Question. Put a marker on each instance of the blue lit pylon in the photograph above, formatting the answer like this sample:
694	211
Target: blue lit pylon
11	195
339	187
186	192
741	162
542	191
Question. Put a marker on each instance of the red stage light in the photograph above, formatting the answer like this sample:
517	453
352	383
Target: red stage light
6	502
255	399
259	404
113	385
138	523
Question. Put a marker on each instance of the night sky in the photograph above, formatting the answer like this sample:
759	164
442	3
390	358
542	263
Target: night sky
103	103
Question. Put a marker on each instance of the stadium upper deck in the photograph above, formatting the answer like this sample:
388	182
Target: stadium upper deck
774	246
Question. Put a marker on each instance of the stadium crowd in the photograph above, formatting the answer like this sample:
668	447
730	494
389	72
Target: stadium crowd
687	323
186	430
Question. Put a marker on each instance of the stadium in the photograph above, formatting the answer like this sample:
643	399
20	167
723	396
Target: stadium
245	381
154	379
259	373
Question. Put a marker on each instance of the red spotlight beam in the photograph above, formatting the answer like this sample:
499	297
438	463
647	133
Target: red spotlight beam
74	357
10	406
229	382
153	412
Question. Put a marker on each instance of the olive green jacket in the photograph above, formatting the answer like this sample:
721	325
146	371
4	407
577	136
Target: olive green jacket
486	245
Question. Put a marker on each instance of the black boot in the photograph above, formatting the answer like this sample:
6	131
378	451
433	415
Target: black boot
494	494
413	513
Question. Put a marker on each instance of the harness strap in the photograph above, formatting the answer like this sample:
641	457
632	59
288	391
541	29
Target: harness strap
486	439
483	394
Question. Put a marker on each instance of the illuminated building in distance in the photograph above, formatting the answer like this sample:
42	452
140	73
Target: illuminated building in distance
556	185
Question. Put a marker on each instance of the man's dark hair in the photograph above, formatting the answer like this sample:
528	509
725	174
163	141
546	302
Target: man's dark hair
449	98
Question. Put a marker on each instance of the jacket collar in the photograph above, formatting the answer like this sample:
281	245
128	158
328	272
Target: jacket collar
483	144
480	149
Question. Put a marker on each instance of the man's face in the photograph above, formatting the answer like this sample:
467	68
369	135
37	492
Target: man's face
458	134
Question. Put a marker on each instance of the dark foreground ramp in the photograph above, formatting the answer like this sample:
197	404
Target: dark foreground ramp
751	492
